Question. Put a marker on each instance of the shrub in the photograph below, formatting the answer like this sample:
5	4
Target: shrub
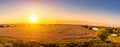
102	34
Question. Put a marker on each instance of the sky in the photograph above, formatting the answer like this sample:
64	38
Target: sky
96	11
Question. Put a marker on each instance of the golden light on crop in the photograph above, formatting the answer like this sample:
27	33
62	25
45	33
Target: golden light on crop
34	19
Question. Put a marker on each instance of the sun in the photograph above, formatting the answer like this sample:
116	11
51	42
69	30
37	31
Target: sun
34	19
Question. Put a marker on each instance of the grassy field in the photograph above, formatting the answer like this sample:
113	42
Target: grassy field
59	36
53	33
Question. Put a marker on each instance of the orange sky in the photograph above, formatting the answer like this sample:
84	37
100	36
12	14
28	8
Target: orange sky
20	12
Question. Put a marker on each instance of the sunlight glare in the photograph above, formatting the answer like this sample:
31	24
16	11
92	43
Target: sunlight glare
34	19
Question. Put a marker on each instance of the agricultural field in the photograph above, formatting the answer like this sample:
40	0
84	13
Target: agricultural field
59	35
48	32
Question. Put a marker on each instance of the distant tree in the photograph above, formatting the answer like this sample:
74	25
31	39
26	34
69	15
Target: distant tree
7	25
86	26
90	27
1	26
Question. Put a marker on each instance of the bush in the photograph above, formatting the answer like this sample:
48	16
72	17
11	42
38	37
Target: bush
102	34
